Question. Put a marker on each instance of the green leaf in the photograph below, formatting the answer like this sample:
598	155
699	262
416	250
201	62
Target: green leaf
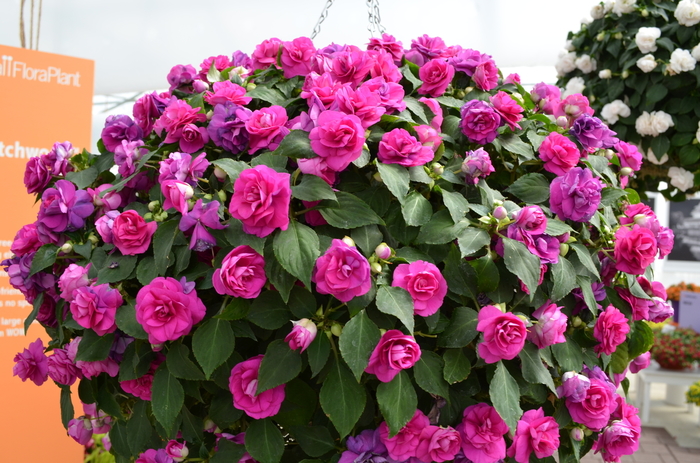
534	370
564	278
227	452
556	227
318	353
609	196
232	168
269	95
302	303
408	74
120	441
505	395
461	330
266	158
280	364
45	257
264	441
192	426
396	179
655	93
146	270
429	374
357	341
514	144
314	440
269	311
349	212
460	276
117	268
342	399
282	280
180	365
441	229
472	240
585	258
162	244
93	347
67	412
139	428
367	238
531	188
451	102
312	188
419	175
398	401
106	401
212	344
168	397
237	237
415	107
416	209
296	248
584	283
660	145
84	249
522	263
126	321
487	274
236	309
456	203
641	339
396	301
457	366
619	360
295	145
688	155
568	354
300	404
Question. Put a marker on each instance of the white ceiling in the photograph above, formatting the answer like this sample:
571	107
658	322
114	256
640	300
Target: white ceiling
135	42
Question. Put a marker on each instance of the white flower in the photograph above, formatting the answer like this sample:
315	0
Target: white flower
651	157
646	39
609	6
688	12
643	125
605	74
586	21
661	121
586	64
614	110
573	86
681	61
696	52
646	63
569	46
681	178
624	6
598	11
566	63
697	134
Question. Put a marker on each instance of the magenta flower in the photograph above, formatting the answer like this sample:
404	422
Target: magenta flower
32	364
193	138
504	334
572	107
436	75
243	384
546	97
573	387
338	138
384	66
227	91
362	102
296	57
437	444
629	155
558	153
575	195
266	127
80	430
425	48
466	60
63	208
480	122
400	147
390	94
131	234
350	66
176	116
635	249
154	456
176	194
181	77
242	274
302	335
508	108
550	326
118	128
595	409
182	167
95	307
178	451
477	165
486	75
424	283
219	62
127	155
394	352
201	216
62	369
610	330
403	445
265	54
26	240
482	430
149	108
535	433
389	44
342	272
227	127
140	387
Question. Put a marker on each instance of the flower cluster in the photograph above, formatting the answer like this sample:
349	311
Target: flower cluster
676	349
344	254
646	85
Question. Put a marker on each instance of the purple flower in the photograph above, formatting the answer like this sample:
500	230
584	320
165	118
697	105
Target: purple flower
227	127
36	175
62	369
18	269
181	76
467	60
480	122
575	195
63	208
425	48
592	133
181	166
476	165
32	364
154	456
127	154
118	128
148	108
200	216
550	326
56	160
240	59
573	387
659	310
598	294
80	430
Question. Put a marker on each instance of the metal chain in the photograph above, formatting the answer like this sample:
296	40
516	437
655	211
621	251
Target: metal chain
324	15
375	20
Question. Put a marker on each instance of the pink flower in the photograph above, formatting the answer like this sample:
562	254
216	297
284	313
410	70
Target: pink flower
105	202
32	364
546	97
635	249
342	272
321	88
72	278
428	136
219	62
95	307
266	127
550	326
535	433
104	225
227	91
618	439
482	430
394	352
559	153
176	194
296	57
572	107
178	451
26	240
388	43
486	75
317	166
363	103
629	155
477	165
403	445
434	106
508	108
351	65
261	198
140	387
338	138
175	117
167	310
154	456
513	78
131	234
641	362
80	430
243	384
193	138
436	75
640	307
91	369
438	444
573	387
242	273
399	147
610	330
425	284
480	122
390	94
384	67
302	335
595	409
504	334
664	241
265	54
62	369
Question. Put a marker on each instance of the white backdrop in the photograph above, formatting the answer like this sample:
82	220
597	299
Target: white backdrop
135	42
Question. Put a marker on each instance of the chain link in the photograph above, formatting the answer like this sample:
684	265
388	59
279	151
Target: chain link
324	15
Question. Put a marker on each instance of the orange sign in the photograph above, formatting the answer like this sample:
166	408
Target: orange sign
46	98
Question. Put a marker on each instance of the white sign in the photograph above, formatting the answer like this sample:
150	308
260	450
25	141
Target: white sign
689	310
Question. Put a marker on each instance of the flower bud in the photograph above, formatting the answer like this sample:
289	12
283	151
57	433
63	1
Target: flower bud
645	13
377	177
577	434
376	268
177	451
625	74
576	322
501	306
210	426
618	35
250	86
221	194
608	154
302	335
562	121
336	329
80	429
200	86
460	94
319	312
67	247
625	171
605	74
219	174
349	241
437	168
500	213
154	206
157	347
210	114
148	216
600	37
563	249
383	251
93	238
587	432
